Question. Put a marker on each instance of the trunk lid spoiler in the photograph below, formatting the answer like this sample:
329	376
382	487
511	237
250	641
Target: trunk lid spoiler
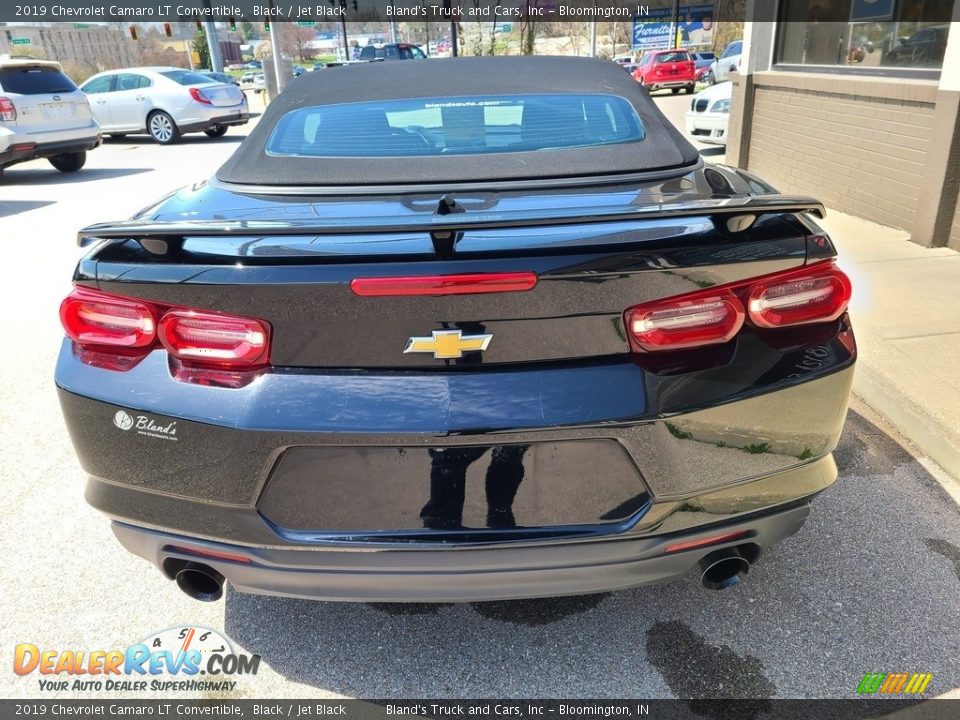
732	215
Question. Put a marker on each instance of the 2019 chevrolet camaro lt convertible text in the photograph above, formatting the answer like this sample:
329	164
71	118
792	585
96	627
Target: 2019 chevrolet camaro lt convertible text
467	329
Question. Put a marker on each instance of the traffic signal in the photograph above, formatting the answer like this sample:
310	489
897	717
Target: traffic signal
266	24
199	28
133	32
167	30
233	24
354	5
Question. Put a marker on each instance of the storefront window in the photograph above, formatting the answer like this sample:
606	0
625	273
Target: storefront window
883	34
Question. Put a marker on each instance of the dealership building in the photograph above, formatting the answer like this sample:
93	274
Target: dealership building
856	102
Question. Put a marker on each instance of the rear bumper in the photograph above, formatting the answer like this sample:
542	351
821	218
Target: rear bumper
462	574
266	471
661	83
29	149
232	118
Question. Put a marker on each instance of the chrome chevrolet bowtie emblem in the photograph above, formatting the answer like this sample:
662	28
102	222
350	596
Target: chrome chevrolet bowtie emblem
447	344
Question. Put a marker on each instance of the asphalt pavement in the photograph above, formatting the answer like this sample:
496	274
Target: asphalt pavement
870	584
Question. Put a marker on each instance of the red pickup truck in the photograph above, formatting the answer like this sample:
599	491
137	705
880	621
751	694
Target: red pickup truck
672	69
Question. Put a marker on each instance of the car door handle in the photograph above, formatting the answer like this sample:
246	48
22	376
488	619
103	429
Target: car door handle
140	97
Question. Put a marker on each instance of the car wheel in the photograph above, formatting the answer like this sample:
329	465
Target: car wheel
216	131
162	128
711	78
68	162
674	90
690	89
1	173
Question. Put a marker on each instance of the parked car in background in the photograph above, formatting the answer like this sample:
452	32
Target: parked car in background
43	115
298	70
235	66
708	118
924	48
254	65
253	80
702	62
729	61
391	51
673	69
220	77
164	102
549	352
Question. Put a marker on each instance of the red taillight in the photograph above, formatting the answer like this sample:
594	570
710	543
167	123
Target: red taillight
212	339
200	342
684	322
8	111
463	284
197	94
95	319
817	298
811	294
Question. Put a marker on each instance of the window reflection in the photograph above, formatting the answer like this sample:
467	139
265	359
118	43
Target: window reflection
864	33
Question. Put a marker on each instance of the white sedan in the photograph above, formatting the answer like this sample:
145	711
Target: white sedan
164	102
709	114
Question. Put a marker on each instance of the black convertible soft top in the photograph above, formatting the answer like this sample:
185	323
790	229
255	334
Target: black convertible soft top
662	148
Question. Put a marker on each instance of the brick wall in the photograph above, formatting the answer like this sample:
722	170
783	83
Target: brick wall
857	144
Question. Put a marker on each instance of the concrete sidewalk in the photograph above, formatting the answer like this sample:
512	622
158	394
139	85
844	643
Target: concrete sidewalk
906	316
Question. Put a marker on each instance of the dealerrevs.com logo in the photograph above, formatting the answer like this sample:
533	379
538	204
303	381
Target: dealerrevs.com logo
192	659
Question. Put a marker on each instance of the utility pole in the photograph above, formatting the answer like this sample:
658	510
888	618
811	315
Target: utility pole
213	45
674	24
593	39
277	55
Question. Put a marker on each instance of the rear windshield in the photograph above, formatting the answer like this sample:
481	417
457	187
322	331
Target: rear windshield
185	77
34	80
672	57
456	125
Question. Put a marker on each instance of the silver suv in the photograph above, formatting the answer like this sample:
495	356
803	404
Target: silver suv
43	115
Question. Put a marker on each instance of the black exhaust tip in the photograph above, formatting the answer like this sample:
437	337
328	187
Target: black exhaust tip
201	582
723	569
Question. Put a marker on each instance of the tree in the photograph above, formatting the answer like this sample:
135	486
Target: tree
199	46
248	32
153	49
493	32
293	40
528	36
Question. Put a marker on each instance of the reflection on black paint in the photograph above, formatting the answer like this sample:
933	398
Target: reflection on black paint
448	480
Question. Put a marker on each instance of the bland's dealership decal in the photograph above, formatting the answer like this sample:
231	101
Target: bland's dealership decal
189	658
145	426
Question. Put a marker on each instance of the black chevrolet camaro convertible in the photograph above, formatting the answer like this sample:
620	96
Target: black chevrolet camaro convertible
464	329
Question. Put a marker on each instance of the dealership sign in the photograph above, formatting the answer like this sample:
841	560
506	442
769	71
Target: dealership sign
694	27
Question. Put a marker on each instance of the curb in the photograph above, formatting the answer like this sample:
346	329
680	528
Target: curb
915	422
